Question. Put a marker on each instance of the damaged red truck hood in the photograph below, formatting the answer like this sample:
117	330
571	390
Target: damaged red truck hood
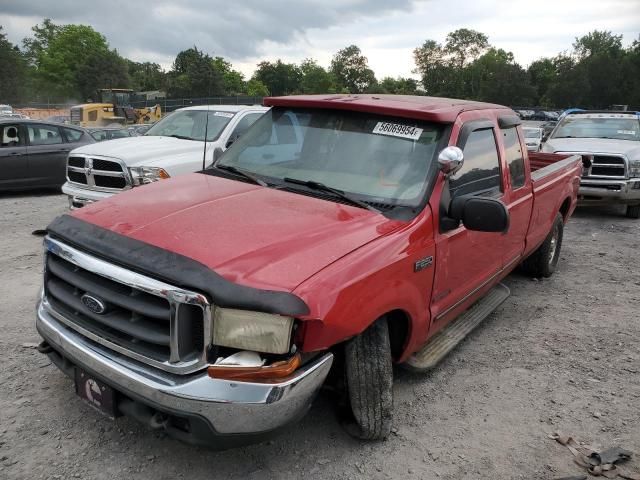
252	235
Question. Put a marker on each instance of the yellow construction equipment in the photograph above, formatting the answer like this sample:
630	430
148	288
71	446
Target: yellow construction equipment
114	108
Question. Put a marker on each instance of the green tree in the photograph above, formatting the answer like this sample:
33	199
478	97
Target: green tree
542	74
315	79
464	46
351	70
146	76
193	75
255	88
13	71
37	45
69	58
569	87
496	78
232	80
433	67
598	43
398	86
106	69
280	78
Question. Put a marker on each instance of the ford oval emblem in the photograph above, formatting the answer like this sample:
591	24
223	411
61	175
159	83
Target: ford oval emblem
92	303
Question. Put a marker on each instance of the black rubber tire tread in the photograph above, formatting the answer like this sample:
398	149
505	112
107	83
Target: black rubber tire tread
537	264
369	375
633	211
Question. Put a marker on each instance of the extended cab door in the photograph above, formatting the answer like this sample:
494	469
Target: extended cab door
14	166
519	196
467	261
47	152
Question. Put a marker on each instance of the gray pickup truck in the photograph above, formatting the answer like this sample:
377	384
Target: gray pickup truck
612	141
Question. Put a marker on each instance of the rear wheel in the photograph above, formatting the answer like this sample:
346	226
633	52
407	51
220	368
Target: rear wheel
633	211
542	262
369	376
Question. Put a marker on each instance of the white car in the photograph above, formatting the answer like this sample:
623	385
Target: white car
173	146
533	138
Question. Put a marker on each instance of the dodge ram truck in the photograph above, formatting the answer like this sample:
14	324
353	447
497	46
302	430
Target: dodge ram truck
214	305
611	140
173	146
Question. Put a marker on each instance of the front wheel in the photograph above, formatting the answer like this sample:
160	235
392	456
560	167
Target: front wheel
369	376
542	262
633	211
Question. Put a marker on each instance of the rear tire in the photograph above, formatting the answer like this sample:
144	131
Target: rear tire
369	378
633	211
542	262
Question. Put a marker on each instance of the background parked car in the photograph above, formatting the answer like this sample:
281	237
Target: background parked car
533	138
140	129
106	133
33	153
59	119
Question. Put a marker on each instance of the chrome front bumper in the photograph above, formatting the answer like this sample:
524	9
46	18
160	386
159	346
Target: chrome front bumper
79	197
603	192
230	408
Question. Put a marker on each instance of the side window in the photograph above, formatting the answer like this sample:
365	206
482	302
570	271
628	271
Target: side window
44	135
9	136
93	115
244	124
72	134
515	159
480	172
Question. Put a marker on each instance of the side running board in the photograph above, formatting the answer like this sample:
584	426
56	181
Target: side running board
445	340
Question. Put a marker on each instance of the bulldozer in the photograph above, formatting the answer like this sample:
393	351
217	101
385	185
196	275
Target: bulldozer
113	109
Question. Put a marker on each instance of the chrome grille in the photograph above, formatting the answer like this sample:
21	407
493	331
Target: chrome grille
142	318
99	173
76	115
609	166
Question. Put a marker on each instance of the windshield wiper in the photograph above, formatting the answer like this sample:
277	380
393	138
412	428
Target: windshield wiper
325	188
241	173
181	137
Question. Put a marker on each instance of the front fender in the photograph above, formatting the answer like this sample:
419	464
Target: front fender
350	294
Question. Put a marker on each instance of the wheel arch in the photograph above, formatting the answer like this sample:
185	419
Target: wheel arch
564	209
399	322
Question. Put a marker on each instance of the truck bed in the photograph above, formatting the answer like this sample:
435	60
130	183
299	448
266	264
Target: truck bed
555	180
543	164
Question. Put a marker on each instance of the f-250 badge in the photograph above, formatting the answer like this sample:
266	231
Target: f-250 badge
422	264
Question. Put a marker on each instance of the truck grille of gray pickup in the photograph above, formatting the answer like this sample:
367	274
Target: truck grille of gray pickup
135	315
97	172
607	166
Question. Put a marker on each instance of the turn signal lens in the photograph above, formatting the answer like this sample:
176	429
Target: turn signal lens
274	371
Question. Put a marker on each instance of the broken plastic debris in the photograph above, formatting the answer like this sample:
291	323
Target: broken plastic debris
242	359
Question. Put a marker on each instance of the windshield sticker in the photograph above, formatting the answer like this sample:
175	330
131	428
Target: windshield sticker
223	114
627	132
398	130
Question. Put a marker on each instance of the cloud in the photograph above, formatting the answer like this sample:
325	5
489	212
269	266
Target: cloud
387	31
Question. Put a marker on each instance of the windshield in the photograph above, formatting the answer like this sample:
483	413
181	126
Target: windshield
191	124
374	158
619	128
532	133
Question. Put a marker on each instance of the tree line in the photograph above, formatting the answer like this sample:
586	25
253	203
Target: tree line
62	63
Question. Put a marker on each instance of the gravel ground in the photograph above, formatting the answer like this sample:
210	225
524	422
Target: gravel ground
561	353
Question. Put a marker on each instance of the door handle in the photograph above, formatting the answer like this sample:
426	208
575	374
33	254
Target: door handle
13	154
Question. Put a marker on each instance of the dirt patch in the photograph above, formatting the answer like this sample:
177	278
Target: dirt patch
562	353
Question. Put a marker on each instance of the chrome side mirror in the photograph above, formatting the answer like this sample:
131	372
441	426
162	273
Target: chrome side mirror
450	160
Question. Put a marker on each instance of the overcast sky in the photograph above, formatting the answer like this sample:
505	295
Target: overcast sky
248	31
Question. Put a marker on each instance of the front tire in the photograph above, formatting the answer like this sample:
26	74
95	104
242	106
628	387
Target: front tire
633	211
542	262
369	378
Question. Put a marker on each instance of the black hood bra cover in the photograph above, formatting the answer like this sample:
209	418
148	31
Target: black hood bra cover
172	268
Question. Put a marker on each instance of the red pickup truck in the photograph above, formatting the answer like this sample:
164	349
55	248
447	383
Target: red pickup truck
340	231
